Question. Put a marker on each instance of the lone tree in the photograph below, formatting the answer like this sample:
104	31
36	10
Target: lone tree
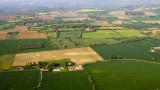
58	34
80	35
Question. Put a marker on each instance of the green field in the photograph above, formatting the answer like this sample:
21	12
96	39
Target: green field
21	80
73	34
131	50
6	62
112	34
10	46
66	81
125	75
7	26
79	42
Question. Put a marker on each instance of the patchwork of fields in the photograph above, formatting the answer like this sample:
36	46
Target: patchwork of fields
66	81
112	34
108	46
23	33
22	80
11	46
130	50
125	75
100	34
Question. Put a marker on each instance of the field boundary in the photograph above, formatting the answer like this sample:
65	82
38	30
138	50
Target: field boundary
131	60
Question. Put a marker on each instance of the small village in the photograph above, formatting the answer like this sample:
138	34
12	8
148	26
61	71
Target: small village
49	66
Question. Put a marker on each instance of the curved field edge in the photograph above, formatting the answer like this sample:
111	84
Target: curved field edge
125	75
131	50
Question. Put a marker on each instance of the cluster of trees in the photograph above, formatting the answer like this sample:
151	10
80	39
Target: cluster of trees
141	25
30	65
30	46
132	39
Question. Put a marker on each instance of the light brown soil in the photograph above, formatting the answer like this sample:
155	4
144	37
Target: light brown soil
77	55
7	17
74	19
24	33
119	14
153	21
150	13
59	14
154	32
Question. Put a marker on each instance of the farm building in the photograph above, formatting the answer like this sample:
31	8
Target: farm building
156	48
88	29
19	68
75	68
58	69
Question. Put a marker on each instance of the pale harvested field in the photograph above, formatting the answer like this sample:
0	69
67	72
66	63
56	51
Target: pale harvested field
153	21
154	32
3	35
74	19
77	55
119	14
8	17
150	14
60	14
24	33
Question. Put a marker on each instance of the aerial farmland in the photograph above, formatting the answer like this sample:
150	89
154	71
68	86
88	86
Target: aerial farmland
79	45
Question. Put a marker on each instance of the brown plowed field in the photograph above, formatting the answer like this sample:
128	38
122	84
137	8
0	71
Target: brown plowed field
24	33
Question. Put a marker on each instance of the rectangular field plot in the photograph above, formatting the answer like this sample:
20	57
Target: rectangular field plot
64	34
112	34
19	80
76	55
130	50
125	75
66	81
11	46
6	61
129	33
101	34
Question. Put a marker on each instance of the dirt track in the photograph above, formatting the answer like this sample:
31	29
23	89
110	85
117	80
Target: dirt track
77	55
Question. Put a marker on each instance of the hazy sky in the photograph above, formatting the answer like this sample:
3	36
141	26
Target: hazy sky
104	2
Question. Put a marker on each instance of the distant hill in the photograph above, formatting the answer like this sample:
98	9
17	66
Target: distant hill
85	2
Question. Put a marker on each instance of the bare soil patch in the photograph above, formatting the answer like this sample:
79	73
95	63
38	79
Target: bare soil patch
119	14
77	55
7	17
74	19
150	13
52	15
24	33
153	22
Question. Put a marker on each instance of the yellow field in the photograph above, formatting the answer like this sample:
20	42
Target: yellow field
77	55
91	10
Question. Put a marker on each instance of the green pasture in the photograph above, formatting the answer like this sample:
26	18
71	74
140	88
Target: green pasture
131	50
125	75
19	80
11	46
66	81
